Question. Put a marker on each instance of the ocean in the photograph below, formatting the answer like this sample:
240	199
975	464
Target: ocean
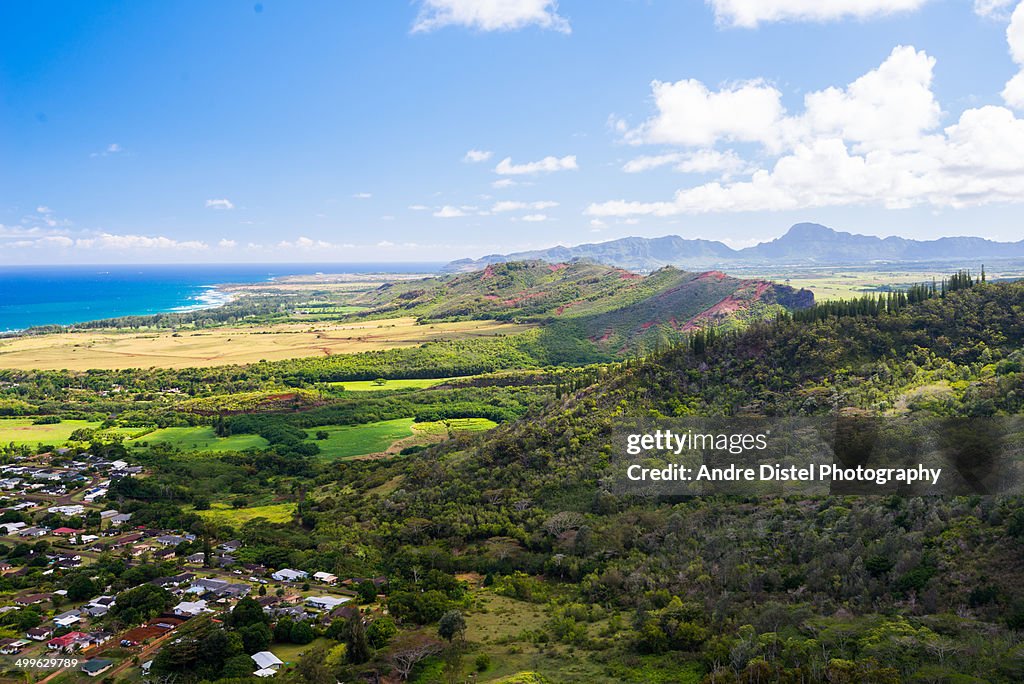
62	295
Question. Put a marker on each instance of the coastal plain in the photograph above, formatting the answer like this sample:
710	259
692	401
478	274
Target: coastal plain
115	349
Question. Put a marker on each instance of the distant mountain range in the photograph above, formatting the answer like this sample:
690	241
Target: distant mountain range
803	244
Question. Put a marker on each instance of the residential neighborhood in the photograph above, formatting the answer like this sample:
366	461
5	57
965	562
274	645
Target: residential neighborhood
60	532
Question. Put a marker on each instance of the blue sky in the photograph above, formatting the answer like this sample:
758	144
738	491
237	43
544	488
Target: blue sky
437	129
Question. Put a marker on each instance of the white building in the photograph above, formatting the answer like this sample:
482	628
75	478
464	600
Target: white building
189	608
325	577
265	660
289	575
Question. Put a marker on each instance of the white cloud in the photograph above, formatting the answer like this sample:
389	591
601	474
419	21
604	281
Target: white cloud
110	241
690	114
1013	93
227	244
546	165
726	163
489	15
535	218
219	204
750	13
878	141
995	9
476	156
448	211
305	243
362	195
112	148
43	210
418	207
503	183
508	205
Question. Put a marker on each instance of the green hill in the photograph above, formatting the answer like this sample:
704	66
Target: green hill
613	308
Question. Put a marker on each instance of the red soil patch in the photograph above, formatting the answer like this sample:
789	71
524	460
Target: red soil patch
557	267
522	298
712	275
603	338
488	273
648	324
560	310
626	275
491	297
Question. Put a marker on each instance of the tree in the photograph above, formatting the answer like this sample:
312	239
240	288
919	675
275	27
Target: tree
312	667
247	612
451	626
81	588
356	642
302	633
411	652
256	637
381	631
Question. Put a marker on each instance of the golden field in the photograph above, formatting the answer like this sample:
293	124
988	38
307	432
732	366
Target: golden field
108	349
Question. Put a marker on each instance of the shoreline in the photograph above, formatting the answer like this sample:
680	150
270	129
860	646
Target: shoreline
215	296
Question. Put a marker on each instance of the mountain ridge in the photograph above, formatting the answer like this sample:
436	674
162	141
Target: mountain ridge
803	244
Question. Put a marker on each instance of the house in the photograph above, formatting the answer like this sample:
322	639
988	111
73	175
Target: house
107	514
125	541
33	532
163	554
67	619
11	528
120	519
70	510
325	578
189	609
265	672
39	633
71	641
289	575
325	602
265	660
12	646
196	559
66	531
97	666
146	667
100	637
32	599
169	540
230	546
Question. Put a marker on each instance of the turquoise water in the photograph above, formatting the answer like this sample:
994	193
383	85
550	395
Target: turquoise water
61	295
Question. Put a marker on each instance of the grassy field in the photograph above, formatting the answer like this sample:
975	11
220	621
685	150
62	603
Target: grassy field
199	439
372	386
223	513
230	345
290	653
22	431
446	427
345	441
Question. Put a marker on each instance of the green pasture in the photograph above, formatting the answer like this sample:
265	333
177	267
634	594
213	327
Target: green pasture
200	439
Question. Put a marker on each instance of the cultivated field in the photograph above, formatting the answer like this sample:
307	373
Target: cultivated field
229	345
